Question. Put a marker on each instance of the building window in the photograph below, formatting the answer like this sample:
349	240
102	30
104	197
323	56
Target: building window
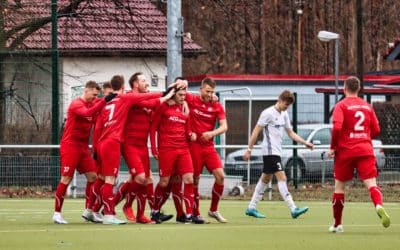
154	80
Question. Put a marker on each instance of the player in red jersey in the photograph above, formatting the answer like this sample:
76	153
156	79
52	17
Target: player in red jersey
170	121
354	125
74	146
204	114
113	118
94	202
136	154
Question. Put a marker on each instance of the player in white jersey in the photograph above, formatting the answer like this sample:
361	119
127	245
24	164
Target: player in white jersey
273	121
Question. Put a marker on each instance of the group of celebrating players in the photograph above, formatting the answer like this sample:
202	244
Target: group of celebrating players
181	127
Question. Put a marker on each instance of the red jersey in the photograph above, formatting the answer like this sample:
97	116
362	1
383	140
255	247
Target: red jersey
137	127
354	124
172	127
115	113
204	115
80	119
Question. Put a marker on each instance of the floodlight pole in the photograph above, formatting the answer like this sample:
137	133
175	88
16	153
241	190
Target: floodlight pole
327	36
336	70
174	40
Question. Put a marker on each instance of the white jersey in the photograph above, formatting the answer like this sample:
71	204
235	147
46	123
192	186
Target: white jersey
274	123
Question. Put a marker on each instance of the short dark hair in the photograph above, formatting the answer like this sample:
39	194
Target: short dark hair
179	78
352	84
107	85
134	78
117	82
209	81
287	96
92	85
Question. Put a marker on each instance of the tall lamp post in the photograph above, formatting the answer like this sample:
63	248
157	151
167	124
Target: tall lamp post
327	36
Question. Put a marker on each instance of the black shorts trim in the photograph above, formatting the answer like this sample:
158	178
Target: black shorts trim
272	164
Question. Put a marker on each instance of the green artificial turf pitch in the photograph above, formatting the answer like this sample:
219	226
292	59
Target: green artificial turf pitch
26	224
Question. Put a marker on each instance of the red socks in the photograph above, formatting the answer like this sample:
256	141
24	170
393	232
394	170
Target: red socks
108	199
196	203
141	201
121	192
337	205
177	196
150	195
159	194
59	197
216	196
97	194
188	197
376	195
89	195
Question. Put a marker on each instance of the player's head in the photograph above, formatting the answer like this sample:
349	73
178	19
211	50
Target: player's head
117	82
352	85
207	89
106	89
91	91
180	95
285	99
138	83
181	82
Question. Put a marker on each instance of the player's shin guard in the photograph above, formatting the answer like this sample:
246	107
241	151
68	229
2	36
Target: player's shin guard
188	197
59	196
337	205
177	197
216	196
376	195
121	192
90	197
196	203
108	199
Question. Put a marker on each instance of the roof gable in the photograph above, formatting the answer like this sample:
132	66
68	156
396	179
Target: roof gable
101	25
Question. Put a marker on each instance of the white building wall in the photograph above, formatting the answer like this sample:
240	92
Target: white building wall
76	71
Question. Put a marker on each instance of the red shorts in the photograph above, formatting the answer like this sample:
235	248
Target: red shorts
344	167
174	161
137	158
108	154
73	156
204	156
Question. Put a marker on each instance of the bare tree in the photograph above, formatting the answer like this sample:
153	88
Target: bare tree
17	26
14	36
232	31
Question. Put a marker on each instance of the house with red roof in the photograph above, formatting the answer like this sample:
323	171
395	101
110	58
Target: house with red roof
96	40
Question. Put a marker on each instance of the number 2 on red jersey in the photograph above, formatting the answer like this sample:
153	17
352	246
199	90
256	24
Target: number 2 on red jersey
360	116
